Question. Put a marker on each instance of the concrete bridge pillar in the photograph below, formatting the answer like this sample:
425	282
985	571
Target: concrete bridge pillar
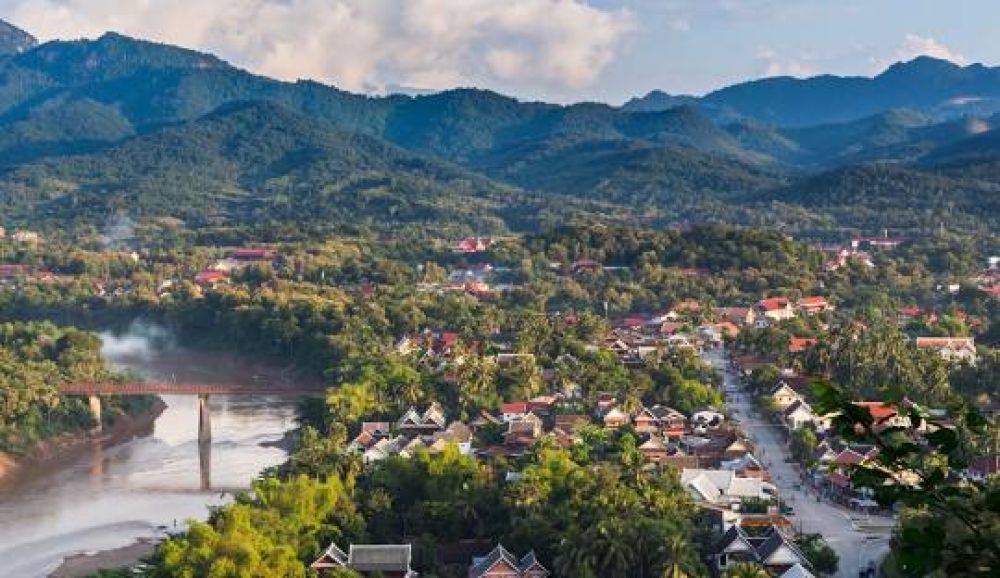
95	411
204	419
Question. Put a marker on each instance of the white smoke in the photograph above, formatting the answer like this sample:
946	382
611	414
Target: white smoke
546	45
142	341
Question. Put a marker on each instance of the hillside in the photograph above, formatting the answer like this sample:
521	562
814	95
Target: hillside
13	40
874	196
254	161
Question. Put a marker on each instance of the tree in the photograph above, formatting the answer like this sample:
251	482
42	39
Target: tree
745	570
822	557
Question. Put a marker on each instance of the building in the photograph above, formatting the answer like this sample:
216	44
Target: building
431	421
724	487
774	309
801	344
774	551
783	395
797	415
741	316
813	305
501	563
382	560
957	349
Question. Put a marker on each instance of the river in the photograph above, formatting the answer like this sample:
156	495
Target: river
108	497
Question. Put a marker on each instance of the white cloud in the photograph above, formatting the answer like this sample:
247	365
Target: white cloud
546	46
914	45
775	64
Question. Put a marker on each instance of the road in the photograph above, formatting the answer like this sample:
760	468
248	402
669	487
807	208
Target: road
856	546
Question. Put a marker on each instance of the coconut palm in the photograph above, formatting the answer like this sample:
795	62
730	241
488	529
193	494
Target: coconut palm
746	570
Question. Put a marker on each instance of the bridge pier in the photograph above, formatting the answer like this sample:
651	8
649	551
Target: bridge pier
95	412
204	419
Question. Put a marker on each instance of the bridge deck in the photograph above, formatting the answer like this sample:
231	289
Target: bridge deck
189	389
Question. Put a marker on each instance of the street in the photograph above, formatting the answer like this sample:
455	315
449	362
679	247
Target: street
856	546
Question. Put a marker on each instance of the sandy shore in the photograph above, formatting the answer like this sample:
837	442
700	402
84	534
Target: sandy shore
82	565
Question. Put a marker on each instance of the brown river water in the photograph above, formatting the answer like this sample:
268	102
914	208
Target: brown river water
100	498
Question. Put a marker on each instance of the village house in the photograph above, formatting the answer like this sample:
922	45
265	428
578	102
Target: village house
741	316
797	415
801	344
773	551
501	563
470	245
724	488
252	255
383	560
616	418
883	242
672	423
955	349
211	279
784	395
773	309
414	423
813	305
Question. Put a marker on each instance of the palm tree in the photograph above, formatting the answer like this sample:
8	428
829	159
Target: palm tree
677	554
746	570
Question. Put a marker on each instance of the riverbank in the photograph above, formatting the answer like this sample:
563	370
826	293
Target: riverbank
61	447
88	564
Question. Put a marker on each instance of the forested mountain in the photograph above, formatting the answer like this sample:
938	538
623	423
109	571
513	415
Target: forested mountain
254	161
928	85
89	127
13	40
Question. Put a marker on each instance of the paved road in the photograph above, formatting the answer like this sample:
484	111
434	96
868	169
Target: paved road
854	546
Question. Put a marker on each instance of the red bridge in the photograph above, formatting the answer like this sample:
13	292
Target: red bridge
190	389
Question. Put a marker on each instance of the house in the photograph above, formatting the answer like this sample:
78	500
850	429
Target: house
654	448
646	422
501	563
585	266
724	487
473	245
783	395
774	551
523	432
514	410
616	418
727	329
774	309
605	403
211	279
908	315
427	423
741	316
884	242
383	560
797	415
29	237
813	305
957	349
801	344
569	423
672	423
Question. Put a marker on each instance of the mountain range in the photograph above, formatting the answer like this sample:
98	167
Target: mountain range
91	127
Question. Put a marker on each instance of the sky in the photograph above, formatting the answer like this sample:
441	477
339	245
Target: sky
554	50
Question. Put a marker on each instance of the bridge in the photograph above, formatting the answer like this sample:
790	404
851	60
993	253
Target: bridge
168	388
93	390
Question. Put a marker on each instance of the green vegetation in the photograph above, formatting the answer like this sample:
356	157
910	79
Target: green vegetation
34	359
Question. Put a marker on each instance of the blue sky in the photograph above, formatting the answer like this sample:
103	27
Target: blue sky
559	50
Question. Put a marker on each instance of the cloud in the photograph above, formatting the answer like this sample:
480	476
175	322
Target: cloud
914	45
775	64
545	46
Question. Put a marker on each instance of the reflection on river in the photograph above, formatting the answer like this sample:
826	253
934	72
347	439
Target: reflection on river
105	498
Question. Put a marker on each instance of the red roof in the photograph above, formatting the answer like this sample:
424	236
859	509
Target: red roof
800	344
728	327
773	303
849	458
814	301
207	277
911	311
449	338
879	410
514	407
839	480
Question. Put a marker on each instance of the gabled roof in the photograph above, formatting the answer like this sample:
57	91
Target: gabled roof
380	557
773	303
770	548
514	407
734	540
530	562
797	571
480	566
332	557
